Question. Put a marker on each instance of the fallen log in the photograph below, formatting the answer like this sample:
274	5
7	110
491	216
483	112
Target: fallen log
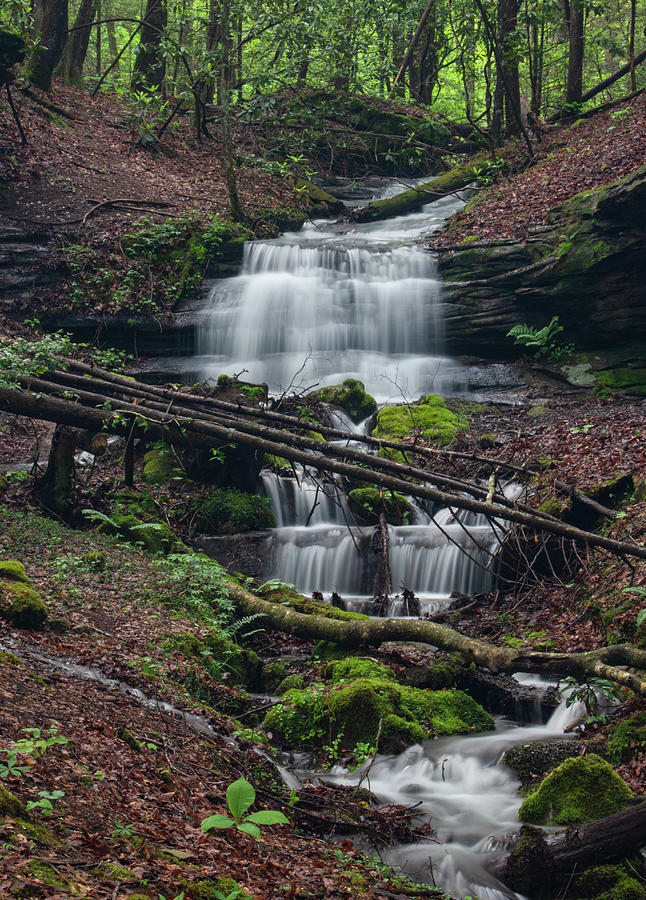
606	662
413	199
539	863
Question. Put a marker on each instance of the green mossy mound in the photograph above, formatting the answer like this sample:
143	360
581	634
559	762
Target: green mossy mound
214	890
367	503
229	511
355	667
352	712
10	805
289	683
607	883
529	855
580	790
627	738
19	602
153	537
538	758
221	658
160	466
350	396
430	417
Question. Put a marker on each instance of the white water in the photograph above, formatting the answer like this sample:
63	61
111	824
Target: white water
321	305
469	797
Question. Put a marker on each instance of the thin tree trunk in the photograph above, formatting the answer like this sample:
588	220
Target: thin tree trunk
413	43
150	66
70	68
51	27
112	44
98	39
574	89
633	15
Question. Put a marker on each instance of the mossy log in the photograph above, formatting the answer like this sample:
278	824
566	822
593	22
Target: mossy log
610	838
415	198
606	662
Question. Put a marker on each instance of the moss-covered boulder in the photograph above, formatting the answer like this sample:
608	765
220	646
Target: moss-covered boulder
353	712
354	667
608	883
10	805
154	537
230	511
160	465
430	417
539	757
350	396
529	856
580	790
367	503
20	604
223	659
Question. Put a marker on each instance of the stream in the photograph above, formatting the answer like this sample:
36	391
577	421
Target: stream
311	309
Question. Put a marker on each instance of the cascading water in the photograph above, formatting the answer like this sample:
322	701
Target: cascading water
470	798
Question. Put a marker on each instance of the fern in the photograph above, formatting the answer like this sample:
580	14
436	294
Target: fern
533	337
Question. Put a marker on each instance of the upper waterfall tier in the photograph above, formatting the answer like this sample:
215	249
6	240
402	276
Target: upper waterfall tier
320	306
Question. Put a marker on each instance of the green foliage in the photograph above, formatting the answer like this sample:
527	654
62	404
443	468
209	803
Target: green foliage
539	339
589	692
489	171
580	790
368	502
228	511
32	748
45	804
240	797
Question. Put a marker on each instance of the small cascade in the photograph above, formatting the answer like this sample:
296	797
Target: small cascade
303	500
469	797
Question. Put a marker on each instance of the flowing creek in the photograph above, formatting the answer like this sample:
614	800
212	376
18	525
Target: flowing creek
311	309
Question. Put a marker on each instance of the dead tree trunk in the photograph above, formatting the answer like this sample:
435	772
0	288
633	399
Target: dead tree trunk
537	870
57	487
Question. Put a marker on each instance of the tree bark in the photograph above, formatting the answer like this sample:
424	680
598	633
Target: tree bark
57	486
51	26
574	89
413	43
150	66
70	68
351	632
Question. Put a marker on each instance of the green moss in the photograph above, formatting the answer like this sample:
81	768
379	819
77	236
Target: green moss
430	417
608	883
354	667
21	605
289	597
46	874
229	511
537	410
9	659
289	683
628	379
580	790
220	657
627	738
367	503
10	805
321	713
273	674
349	396
160	465
275	462
13	570
154	537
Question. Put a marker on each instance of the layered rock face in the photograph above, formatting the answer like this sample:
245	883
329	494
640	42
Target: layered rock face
587	265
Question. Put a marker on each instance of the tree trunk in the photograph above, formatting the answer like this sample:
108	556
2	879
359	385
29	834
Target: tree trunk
602	663
536	873
150	66
413	43
51	26
70	68
574	89
57	486
507	83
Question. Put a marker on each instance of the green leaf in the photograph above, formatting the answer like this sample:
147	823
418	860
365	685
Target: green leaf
268	817
249	828
216	822
641	617
240	796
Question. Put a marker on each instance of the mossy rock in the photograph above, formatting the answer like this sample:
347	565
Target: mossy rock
223	659
539	757
19	602
629	380
13	570
368	502
580	790
607	883
627	738
353	712
430	417
273	674
10	805
355	667
529	855
350	396
160	465
231	511
289	683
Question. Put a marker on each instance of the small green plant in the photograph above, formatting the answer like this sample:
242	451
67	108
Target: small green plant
589	693
539	339
241	795
45	804
31	747
489	171
121	831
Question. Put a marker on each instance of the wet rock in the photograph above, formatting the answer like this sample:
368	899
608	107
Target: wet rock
539	757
